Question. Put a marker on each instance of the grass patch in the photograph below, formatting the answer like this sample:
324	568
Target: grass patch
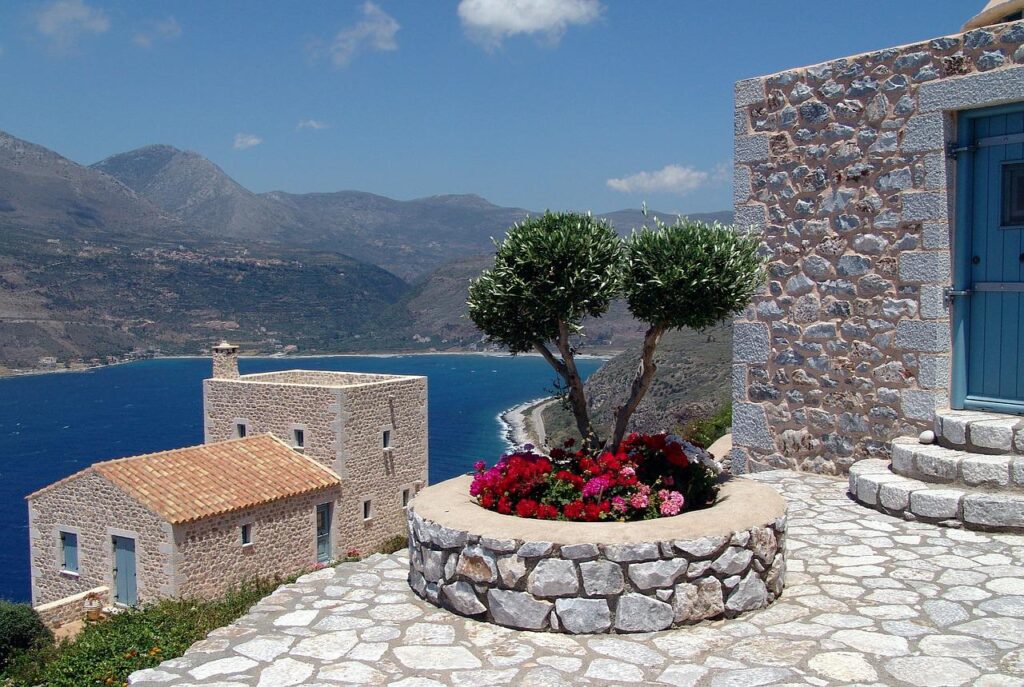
107	652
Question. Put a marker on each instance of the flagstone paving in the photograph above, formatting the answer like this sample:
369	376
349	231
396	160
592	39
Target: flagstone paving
869	600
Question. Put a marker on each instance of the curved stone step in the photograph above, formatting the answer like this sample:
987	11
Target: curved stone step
980	432
940	465
873	484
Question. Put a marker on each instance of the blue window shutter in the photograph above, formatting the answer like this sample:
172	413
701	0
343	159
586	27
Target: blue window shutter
69	543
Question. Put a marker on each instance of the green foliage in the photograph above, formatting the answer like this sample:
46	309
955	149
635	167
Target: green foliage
690	274
557	267
704	432
20	629
394	544
107	652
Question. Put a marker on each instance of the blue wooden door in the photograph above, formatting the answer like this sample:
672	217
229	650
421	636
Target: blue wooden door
323	533
125	590
991	265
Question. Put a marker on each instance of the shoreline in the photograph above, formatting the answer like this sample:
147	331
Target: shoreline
12	374
517	425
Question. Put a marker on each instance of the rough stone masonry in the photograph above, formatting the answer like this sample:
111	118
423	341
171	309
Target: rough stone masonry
842	168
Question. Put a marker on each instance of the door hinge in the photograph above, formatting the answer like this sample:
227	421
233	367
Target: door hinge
949	293
953	149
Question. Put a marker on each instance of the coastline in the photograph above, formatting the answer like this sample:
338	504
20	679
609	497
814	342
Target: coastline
519	423
488	354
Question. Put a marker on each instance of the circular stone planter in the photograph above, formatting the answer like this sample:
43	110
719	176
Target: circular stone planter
598	577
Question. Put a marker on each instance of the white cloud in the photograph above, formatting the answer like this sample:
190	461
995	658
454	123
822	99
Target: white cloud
311	124
164	30
491	21
62	22
673	179
375	31
243	141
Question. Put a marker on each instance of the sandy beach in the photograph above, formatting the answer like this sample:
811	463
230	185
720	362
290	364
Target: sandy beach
524	423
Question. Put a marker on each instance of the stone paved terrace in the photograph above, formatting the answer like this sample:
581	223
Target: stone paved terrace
869	600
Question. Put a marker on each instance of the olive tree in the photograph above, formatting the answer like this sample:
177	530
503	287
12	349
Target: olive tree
688	274
552	271
549	273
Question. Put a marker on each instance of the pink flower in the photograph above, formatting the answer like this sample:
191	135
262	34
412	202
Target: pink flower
638	500
618	504
596	485
479	466
671	502
628	472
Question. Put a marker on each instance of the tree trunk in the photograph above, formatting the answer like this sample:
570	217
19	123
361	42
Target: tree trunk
577	395
641	383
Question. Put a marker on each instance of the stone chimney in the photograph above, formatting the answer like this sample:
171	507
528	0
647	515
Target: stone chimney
225	361
997	12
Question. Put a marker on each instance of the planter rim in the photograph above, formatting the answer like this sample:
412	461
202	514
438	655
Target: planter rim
742	504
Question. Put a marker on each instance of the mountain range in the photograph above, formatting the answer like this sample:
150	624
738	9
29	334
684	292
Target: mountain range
160	248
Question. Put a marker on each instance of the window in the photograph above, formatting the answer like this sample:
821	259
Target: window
385	438
367	509
241	430
1013	195
247	534
299	438
69	552
406	497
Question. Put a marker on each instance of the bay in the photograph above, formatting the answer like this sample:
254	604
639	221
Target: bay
54	425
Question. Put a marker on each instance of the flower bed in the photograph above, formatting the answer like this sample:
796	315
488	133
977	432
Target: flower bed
648	477
594	577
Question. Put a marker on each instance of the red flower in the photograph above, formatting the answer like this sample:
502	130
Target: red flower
547	512
504	505
527	508
592	512
573	510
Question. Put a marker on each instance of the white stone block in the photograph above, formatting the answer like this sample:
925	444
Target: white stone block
941	504
991	471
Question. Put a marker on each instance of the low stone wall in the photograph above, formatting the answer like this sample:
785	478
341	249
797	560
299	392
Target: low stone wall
598	577
70	608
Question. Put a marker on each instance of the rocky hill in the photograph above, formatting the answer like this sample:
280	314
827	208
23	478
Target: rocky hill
692	381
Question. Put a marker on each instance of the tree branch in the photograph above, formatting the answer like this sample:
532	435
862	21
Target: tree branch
552	360
641	383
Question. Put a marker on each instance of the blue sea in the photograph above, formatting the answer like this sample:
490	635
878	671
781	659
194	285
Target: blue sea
52	425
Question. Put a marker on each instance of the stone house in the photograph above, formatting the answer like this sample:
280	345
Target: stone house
187	522
298	468
889	191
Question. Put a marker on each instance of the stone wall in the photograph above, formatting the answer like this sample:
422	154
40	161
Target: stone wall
343	424
210	557
70	608
842	168
637	581
591	588
96	510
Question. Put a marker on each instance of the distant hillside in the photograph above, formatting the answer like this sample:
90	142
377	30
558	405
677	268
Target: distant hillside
45	194
159	248
693	378
89	268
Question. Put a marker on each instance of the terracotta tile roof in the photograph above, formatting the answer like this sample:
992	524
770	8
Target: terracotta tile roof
191	483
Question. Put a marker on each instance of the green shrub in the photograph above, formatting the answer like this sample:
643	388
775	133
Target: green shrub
706	431
107	652
21	629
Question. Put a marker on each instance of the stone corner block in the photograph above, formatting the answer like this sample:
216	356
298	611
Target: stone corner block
751	342
925	267
750	427
974	90
925	132
751	148
749	92
926	337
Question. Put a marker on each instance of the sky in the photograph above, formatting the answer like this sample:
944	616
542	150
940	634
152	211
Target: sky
562	104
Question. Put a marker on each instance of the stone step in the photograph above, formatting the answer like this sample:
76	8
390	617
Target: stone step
937	464
980	432
874	484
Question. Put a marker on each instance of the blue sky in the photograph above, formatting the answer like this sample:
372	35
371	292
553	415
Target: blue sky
583	104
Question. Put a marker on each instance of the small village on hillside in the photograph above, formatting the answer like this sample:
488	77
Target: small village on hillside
847	509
